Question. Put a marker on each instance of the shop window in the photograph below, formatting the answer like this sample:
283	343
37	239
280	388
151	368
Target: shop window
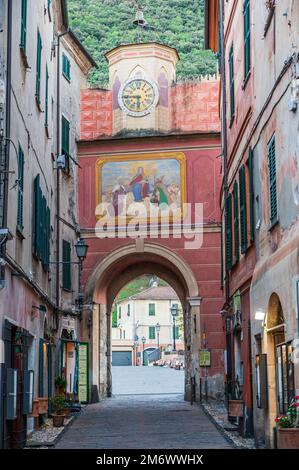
285	376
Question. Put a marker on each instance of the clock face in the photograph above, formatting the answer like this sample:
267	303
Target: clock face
138	96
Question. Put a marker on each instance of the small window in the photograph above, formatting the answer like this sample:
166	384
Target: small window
66	270
66	67
152	332
151	309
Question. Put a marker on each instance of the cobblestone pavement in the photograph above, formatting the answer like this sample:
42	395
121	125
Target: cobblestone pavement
143	422
146	380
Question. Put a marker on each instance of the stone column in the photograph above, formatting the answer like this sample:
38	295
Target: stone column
95	354
103	372
193	325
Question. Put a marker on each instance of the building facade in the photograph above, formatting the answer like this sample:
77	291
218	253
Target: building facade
148	143
143	323
257	43
42	69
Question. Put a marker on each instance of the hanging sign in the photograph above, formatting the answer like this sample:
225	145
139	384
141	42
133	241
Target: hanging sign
83	372
205	358
68	324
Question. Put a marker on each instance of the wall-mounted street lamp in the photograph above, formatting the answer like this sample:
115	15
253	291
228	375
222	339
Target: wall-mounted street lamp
174	312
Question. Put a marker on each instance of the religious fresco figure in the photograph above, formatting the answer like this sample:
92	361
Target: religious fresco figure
160	193
140	185
118	196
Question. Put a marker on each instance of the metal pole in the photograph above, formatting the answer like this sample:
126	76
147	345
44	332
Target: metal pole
158	334
174	345
142	354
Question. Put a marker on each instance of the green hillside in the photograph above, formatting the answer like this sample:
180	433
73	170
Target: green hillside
103	24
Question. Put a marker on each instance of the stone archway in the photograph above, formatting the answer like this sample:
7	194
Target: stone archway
116	270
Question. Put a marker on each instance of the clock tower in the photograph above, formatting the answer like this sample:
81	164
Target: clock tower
140	77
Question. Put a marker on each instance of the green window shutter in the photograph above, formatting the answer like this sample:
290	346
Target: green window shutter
251	194
38	67
228	233
272	181
243	208
151	309
66	270
23	25
232	83
44	241
37	216
65	141
48	238
236	222
47	99
20	189
66	67
247	60
152	332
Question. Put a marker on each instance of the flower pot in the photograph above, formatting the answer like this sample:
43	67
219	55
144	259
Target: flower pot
235	408
58	420
288	438
35	408
42	405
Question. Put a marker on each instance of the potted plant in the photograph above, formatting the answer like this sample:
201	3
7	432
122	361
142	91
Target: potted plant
35	408
60	385
58	407
288	427
235	402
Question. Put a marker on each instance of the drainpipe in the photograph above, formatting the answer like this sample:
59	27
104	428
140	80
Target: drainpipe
223	123
59	36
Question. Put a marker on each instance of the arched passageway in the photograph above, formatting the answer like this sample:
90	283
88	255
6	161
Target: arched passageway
115	271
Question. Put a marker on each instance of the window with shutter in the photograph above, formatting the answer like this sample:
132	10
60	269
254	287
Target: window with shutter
232	83
251	194
65	142
228	232
152	332
44	241
272	181
66	67
236	222
151	309
243	208
48	237
247	60
23	25
37	216
20	190
38	68
66	271
47	99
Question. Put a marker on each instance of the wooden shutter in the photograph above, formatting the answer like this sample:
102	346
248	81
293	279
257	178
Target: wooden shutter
264	381
48	238
247	60
251	194
272	181
44	241
228	232
66	67
20	189
243	208
23	25
66	271
151	309
37	216
38	67
152	332
236	223
65	141
232	83
41	368
47	99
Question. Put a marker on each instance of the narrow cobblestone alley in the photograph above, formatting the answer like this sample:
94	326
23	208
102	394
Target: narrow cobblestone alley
139	421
